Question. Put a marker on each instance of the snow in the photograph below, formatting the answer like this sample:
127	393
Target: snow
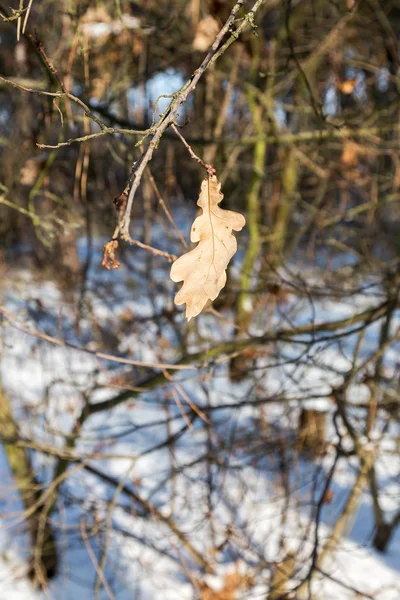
47	385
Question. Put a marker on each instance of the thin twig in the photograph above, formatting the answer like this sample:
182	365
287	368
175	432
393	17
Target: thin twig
154	251
210	170
165	208
81	103
15	322
91	136
28	10
94	560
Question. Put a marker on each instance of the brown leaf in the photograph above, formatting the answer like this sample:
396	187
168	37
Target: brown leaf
350	153
30	171
206	32
203	269
109	260
328	496
235	583
347	87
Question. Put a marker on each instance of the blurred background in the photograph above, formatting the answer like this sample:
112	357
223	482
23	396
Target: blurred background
252	453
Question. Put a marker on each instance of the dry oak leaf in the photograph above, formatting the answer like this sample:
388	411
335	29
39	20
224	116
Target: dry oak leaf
203	269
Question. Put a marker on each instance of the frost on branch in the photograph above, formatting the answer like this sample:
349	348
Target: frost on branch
203	269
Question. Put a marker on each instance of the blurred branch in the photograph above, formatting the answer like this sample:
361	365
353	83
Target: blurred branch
180	97
65	94
321	49
151	509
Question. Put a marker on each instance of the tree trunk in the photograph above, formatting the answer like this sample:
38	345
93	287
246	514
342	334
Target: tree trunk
44	559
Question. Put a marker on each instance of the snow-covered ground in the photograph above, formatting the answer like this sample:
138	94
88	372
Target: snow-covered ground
253	523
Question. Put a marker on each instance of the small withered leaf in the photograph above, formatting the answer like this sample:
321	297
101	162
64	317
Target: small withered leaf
203	269
109	260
